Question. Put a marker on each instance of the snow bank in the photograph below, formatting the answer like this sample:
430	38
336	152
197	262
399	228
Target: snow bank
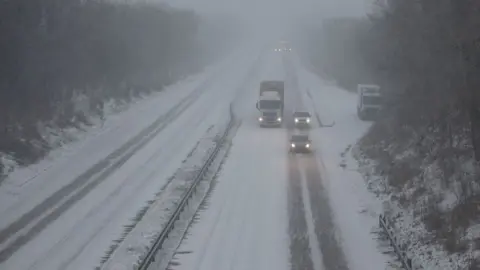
420	206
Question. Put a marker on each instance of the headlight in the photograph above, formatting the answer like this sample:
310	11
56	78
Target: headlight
279	119
296	120
260	119
307	145
308	120
293	145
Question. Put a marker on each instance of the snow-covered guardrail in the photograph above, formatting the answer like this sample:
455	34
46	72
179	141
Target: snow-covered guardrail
399	248
158	244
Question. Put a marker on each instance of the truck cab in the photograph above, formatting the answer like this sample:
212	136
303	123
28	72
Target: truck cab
270	107
369	102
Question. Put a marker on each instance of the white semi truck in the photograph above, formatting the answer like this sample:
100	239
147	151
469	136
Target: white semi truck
369	101
270	103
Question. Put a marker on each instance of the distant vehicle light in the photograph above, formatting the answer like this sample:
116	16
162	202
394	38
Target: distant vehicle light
260	119
308	120
279	119
296	120
307	145
293	145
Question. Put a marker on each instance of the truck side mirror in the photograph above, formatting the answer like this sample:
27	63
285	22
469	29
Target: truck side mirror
256	105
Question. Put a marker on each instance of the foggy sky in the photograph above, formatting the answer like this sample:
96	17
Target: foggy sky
280	9
275	17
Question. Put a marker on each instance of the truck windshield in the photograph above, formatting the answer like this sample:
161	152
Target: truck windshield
270	104
372	100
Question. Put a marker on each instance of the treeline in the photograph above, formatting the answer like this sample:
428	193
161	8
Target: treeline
425	54
53	51
333	48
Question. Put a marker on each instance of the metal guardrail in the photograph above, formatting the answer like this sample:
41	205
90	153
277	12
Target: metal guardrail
399	248
150	257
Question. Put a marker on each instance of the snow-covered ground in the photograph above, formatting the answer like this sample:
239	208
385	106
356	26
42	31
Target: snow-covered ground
74	229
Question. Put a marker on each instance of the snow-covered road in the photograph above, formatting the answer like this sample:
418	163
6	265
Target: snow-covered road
268	209
245	222
66	219
235	231
273	210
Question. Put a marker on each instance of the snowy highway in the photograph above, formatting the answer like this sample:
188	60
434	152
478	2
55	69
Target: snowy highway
271	209
66	221
268	209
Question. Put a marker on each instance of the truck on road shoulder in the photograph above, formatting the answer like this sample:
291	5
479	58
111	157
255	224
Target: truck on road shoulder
271	103
369	101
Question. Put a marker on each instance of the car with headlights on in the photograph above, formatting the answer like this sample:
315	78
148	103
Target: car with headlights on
302	119
300	143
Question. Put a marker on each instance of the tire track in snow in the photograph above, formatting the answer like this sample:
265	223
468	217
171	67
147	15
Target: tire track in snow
325	230
300	252
327	237
327	234
300	246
